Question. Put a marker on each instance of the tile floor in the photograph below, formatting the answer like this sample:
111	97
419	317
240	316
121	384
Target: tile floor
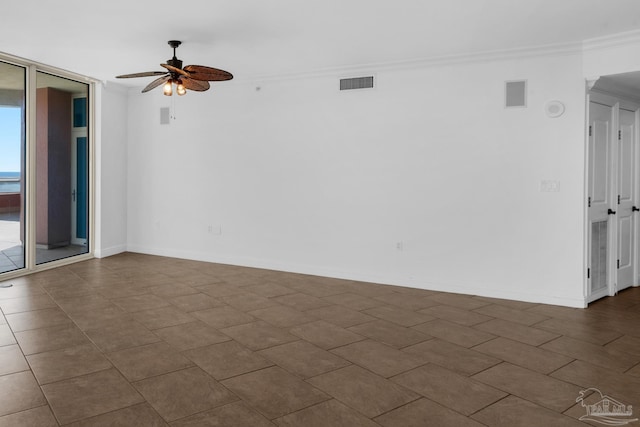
136	340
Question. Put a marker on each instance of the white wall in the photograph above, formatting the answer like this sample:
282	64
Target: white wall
301	177
111	170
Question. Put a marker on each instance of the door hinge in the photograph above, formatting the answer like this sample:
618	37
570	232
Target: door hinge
588	273
589	202
619	135
618	263
618	199
590	130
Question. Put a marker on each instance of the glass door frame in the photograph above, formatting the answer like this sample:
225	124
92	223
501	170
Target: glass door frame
29	202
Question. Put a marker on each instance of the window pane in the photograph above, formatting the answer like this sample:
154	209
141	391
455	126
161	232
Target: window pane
12	189
62	160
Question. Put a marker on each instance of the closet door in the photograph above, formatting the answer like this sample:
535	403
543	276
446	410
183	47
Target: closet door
599	198
626	162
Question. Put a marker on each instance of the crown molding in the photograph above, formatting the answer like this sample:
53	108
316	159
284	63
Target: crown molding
559	49
114	86
612	40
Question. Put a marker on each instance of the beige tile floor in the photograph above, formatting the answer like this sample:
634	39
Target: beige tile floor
136	340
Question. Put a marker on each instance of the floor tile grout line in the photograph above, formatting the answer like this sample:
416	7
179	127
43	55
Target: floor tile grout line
329	397
601	345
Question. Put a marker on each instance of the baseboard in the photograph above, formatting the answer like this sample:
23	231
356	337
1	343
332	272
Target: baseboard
458	288
113	250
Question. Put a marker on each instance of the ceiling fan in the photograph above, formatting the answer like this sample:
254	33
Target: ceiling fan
192	77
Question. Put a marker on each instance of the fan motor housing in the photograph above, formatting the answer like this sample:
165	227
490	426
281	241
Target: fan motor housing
175	62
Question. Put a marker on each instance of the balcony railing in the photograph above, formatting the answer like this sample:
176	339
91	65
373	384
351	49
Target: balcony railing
9	185
9	194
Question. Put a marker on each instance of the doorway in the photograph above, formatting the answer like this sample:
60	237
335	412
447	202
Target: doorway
45	162
62	173
612	192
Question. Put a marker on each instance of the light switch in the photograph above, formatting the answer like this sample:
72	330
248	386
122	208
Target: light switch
549	186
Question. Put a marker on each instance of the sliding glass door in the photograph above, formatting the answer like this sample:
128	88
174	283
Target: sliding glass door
62	172
12	161
45	186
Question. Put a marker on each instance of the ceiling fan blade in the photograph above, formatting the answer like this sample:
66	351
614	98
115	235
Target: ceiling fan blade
200	72
175	70
157	82
145	74
197	85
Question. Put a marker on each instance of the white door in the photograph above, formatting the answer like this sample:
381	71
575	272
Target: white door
626	191
599	198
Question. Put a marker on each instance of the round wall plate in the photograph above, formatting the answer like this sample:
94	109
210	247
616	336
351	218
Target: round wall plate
554	109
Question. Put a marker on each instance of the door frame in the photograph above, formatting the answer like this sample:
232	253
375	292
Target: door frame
616	103
78	132
29	187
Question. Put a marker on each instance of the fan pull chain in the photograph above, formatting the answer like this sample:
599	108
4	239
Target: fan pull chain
173	107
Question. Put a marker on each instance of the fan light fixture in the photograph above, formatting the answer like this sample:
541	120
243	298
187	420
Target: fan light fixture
167	88
180	89
192	77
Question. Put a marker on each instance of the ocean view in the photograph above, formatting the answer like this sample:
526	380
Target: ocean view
9	182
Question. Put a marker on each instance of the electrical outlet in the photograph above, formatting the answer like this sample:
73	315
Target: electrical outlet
400	245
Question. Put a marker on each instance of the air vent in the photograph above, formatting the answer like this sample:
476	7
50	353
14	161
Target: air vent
515	94
165	116
356	83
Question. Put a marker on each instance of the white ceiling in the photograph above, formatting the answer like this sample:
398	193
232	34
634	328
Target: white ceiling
258	38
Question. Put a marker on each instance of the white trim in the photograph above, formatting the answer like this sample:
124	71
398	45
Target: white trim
611	40
636	199
30	172
604	292
107	252
95	242
116	87
91	134
60	72
479	289
613	203
586	226
559	49
616	91
611	99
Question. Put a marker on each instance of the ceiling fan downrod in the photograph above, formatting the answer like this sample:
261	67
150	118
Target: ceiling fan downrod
175	62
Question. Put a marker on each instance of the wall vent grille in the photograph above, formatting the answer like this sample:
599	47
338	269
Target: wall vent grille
515	94
165	116
356	83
